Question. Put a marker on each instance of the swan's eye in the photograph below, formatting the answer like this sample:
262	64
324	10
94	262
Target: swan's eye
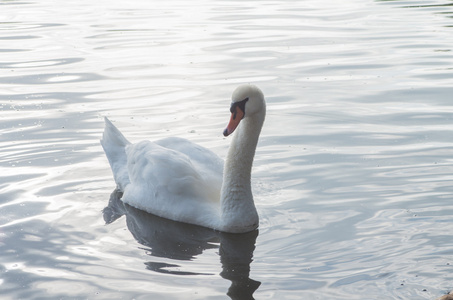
240	105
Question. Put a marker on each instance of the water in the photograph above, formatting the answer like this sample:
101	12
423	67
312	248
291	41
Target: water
352	176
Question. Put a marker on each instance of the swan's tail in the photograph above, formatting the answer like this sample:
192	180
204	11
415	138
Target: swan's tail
114	144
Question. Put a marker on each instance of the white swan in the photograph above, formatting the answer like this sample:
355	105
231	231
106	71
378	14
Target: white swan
179	180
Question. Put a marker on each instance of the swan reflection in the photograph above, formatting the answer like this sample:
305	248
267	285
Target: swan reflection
179	241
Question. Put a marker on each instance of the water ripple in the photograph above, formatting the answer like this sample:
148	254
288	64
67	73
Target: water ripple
351	178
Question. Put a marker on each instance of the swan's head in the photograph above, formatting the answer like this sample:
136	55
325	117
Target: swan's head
247	100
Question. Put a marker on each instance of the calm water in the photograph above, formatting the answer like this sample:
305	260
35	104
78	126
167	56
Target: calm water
352	179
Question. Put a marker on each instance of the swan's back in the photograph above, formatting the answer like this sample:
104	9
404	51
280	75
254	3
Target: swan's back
172	178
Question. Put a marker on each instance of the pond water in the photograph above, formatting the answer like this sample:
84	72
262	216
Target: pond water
352	177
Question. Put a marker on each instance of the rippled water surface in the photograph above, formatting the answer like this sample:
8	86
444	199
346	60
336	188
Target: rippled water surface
352	178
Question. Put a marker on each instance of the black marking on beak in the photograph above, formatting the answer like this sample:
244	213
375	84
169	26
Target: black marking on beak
241	105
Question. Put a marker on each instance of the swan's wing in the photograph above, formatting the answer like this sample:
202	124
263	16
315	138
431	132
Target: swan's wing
206	162
172	178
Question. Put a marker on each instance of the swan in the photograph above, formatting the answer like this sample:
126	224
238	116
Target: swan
177	179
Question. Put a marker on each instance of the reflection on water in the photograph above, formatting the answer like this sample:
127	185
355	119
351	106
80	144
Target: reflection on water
179	241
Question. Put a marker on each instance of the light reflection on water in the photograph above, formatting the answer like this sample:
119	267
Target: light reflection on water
352	175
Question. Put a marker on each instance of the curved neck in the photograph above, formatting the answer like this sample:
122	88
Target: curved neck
237	206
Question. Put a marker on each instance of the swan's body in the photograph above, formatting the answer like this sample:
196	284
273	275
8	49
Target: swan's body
179	180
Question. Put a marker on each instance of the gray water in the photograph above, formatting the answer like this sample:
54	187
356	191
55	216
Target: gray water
352	177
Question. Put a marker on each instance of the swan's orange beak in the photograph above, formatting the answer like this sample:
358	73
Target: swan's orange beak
236	117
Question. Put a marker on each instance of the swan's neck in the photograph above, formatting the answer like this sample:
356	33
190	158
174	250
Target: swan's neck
237	206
